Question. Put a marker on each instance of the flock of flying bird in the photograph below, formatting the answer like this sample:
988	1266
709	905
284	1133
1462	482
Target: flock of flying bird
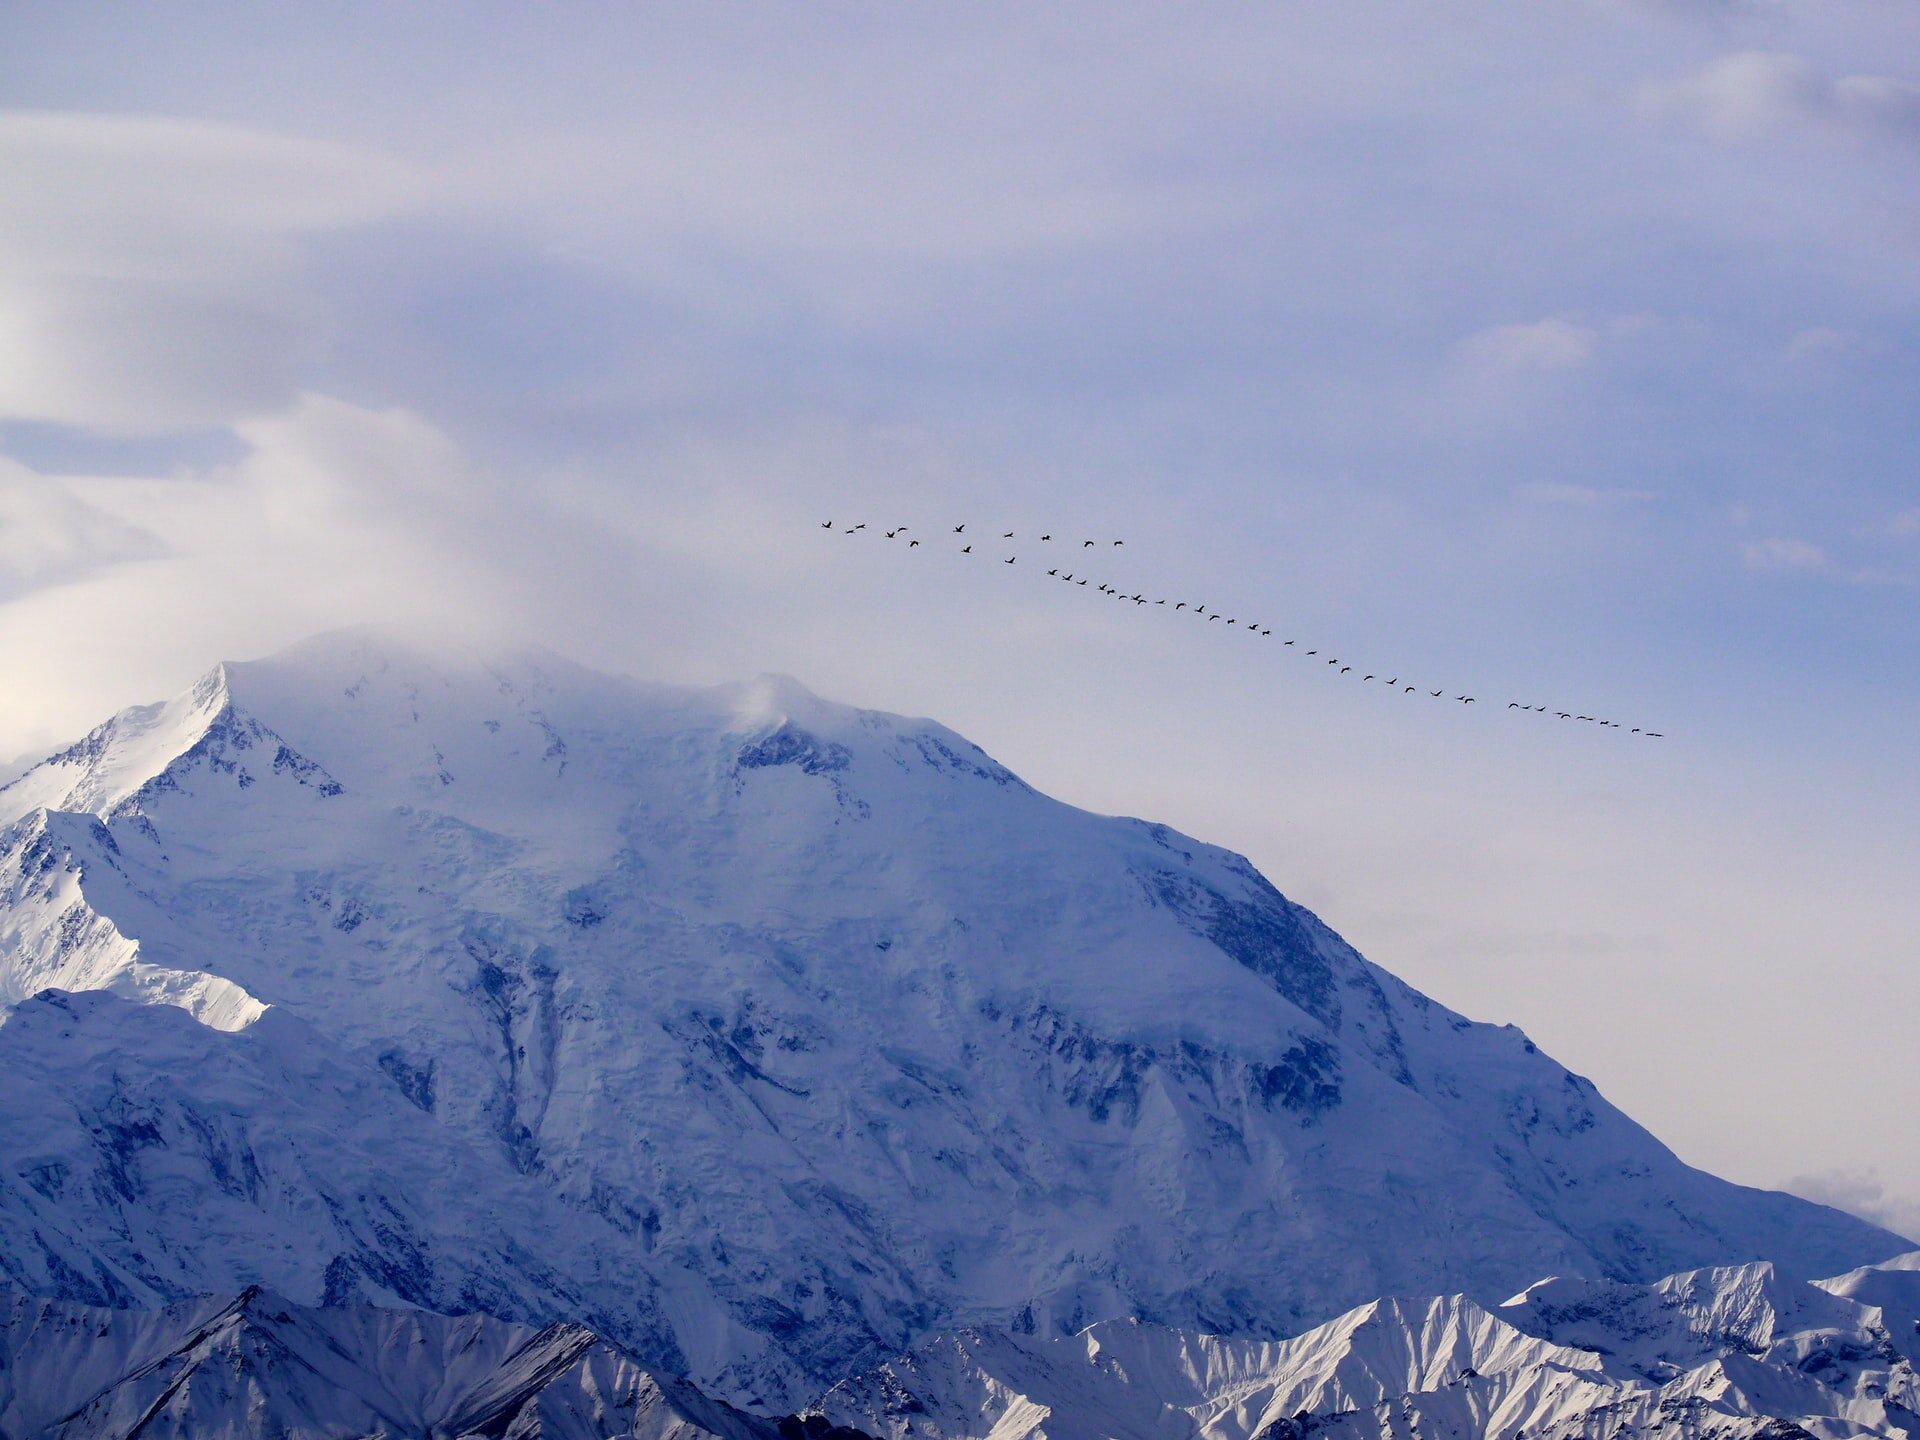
965	543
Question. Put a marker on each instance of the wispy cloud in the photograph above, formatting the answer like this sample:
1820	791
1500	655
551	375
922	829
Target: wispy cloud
1783	556
1863	1192
149	267
1579	497
1554	343
1755	93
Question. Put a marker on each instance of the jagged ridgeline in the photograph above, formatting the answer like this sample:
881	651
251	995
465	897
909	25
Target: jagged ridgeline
762	1036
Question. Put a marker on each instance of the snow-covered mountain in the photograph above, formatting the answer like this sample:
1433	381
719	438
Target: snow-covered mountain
765	1036
1729	1353
1732	1354
256	1365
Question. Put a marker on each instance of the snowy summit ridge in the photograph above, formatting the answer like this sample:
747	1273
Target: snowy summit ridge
766	1036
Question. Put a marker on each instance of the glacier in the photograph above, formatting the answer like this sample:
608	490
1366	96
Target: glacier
768	1037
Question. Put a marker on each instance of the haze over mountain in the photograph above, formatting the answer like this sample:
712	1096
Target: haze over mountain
765	1036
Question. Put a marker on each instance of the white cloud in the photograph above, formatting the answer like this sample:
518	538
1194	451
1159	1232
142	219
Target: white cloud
1784	556
149	268
1753	94
1554	343
49	535
1861	1192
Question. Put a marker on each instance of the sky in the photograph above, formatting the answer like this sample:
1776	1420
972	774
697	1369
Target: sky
1562	353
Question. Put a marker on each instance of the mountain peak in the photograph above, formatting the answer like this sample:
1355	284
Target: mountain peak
112	762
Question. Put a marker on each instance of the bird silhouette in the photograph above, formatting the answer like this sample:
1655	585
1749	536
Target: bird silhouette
1564	715
1345	668
1012	558
1394	681
1409	690
1199	609
1365	678
1181	605
1213	617
828	525
861	526
967	550
1655	735
1086	544
959	529
913	544
1513	705
1119	542
1082	582
1464	699
1159	602
1055	571
892	533
1007	536
1436	693
1291	642
1266	632
1068	576
1046	537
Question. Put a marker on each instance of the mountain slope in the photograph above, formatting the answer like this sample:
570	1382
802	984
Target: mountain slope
816	1024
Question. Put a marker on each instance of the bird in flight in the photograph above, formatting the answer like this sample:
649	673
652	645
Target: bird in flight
1252	627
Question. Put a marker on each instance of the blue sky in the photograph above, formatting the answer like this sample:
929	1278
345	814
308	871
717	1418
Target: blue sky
1566	352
